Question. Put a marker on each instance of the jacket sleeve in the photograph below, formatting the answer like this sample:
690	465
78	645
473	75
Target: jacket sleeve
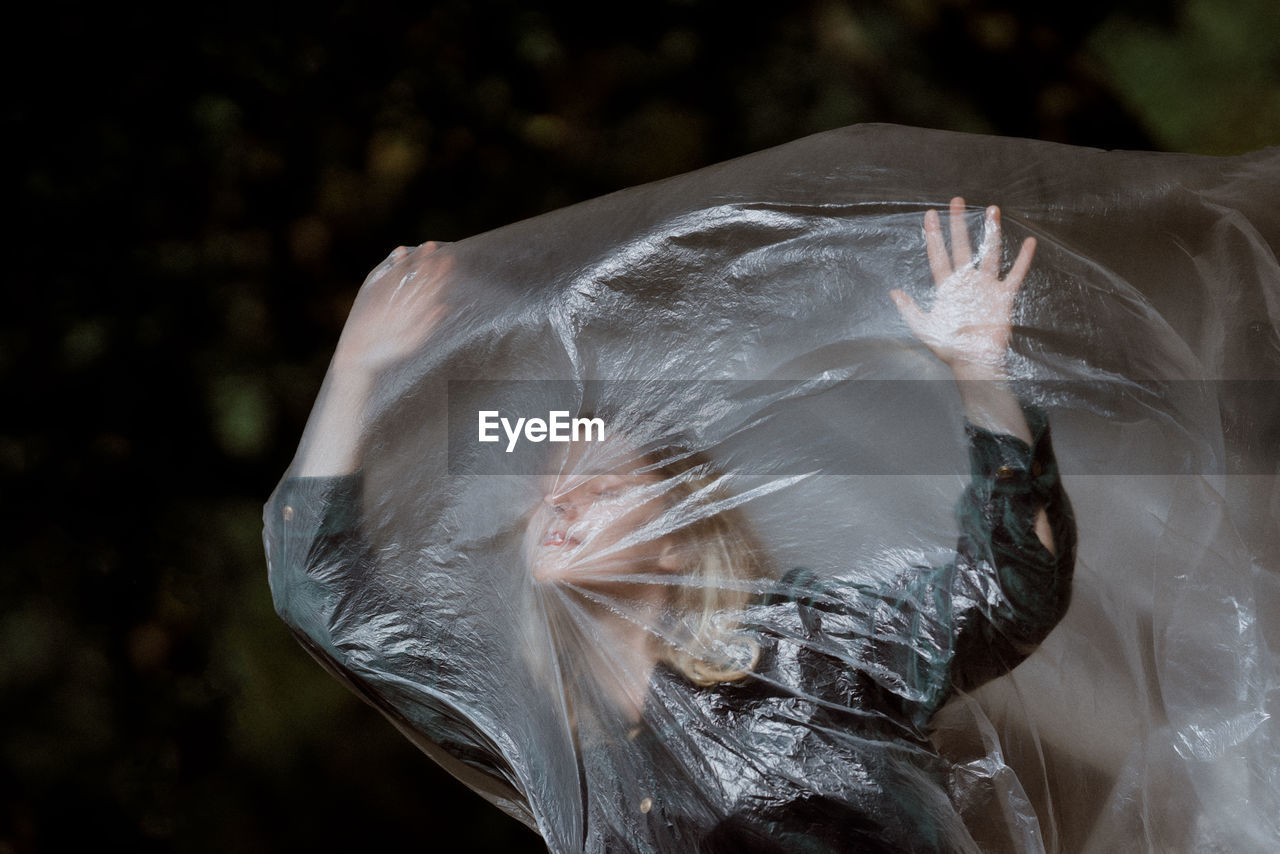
326	587
979	616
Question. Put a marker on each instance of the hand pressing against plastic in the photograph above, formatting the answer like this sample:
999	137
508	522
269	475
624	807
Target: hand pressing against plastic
970	322
971	319
398	308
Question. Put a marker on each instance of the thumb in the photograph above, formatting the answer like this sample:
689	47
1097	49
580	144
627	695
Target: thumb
916	319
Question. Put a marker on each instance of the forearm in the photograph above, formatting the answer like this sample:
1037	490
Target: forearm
989	403
332	444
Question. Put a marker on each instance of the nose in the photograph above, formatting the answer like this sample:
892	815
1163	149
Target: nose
561	505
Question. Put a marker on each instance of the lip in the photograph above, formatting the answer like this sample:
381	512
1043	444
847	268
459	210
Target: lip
559	538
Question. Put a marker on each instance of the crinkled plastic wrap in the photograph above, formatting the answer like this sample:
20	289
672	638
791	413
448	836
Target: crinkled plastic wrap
780	605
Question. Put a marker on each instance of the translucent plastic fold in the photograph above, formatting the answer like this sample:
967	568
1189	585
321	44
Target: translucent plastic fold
780	593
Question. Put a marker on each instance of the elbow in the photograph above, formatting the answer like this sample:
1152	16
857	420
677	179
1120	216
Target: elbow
1057	533
1044	532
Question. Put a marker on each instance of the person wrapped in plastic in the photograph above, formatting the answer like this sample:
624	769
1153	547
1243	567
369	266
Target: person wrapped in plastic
604	637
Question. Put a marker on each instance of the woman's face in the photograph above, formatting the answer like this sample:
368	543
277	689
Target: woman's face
601	528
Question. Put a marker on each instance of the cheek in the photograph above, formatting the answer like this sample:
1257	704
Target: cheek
547	567
643	527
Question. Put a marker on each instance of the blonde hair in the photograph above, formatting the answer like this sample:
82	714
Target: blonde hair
722	562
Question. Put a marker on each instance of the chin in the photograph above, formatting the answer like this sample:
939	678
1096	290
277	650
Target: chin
549	571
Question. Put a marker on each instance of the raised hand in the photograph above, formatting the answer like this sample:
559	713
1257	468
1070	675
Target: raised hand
971	319
398	307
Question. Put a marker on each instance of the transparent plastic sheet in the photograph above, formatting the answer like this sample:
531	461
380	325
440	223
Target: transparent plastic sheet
733	330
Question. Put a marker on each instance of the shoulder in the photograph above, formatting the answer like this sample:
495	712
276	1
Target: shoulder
315	506
808	589
800	585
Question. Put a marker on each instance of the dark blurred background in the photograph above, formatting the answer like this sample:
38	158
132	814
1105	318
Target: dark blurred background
197	194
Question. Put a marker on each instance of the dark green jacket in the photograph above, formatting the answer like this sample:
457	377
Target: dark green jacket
824	747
